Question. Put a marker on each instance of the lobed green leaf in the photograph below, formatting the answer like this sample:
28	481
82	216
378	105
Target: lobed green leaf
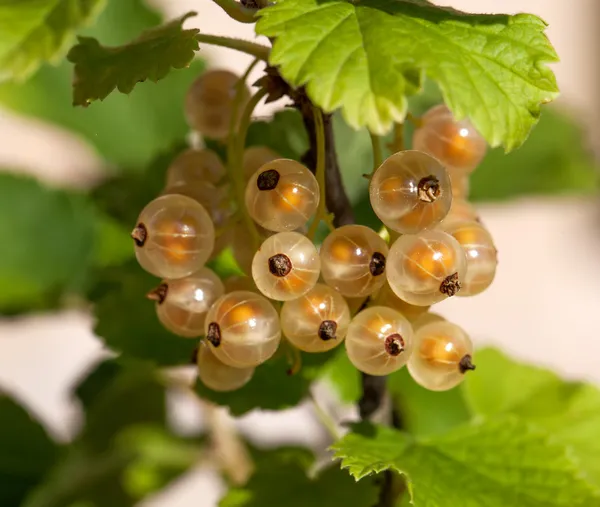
37	31
493	463
99	69
356	56
570	411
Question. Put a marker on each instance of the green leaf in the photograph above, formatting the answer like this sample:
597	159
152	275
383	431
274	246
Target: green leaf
271	387
281	479
36	31
425	412
99	69
492	463
343	377
355	56
51	246
126	131
570	411
126	321
26	452
284	133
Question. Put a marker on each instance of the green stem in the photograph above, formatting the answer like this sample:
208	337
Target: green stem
377	155
325	419
257	50
235	150
322	214
237	11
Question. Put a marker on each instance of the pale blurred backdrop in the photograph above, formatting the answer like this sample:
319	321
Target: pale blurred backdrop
544	306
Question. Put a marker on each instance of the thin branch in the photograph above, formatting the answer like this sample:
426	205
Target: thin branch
320	172
252	48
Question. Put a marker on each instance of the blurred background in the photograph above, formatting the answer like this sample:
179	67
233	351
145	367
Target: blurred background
540	204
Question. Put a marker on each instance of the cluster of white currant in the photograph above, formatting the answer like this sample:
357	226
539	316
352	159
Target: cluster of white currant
438	249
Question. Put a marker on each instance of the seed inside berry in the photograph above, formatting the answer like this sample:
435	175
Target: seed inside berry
140	234
267	180
466	364
429	188
280	265
214	334
159	294
327	330
394	344
377	264
450	286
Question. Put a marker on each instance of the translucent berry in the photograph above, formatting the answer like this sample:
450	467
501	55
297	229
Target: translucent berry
241	246
182	304
426	268
255	157
461	211
174	236
456	144
379	341
282	195
286	266
193	166
353	260
461	185
388	298
442	354
317	321
209	103
219	376
481	254
427	318
234	283
242	329
410	191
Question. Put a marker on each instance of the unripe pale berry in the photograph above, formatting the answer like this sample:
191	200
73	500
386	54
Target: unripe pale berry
317	321
286	266
219	376
379	341
481	254
410	191
442	354
282	195
182	304
209	103
353	260
388	298
255	157
193	166
174	236
456	144
242	329
426	268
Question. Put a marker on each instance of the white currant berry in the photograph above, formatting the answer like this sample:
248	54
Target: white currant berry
410	191
193	166
182	304
243	329
461	210
442	354
426	318
209	103
387	297
481	254
255	157
217	375
456	144
426	268
235	283
379	341
282	195
317	321
286	266
174	236
353	260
